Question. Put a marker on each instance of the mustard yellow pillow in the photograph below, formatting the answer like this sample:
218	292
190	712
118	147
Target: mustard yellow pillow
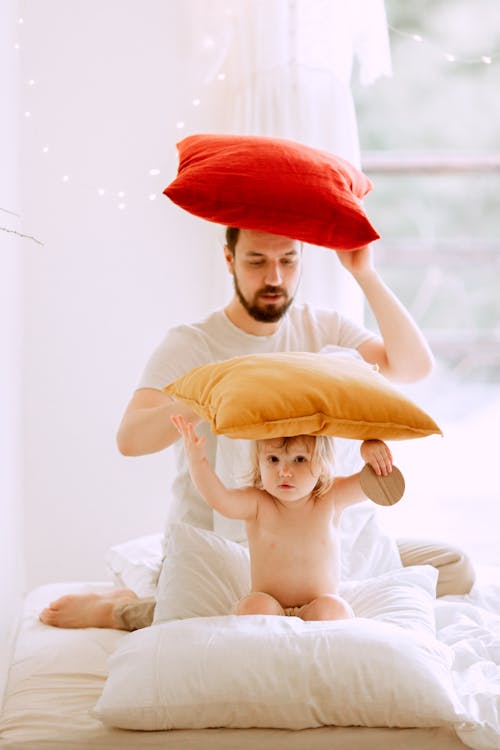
275	395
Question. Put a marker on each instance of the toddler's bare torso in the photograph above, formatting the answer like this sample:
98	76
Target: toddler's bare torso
295	550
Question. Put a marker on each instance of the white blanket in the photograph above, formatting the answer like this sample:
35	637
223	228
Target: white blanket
470	626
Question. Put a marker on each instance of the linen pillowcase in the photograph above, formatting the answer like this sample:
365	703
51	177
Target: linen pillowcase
262	671
136	564
277	395
273	185
204	576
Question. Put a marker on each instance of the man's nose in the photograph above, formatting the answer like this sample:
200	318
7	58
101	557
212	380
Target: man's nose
273	274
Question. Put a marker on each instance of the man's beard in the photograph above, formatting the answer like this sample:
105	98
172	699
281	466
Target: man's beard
264	313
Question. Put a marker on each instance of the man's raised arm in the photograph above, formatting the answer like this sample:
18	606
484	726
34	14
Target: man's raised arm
402	353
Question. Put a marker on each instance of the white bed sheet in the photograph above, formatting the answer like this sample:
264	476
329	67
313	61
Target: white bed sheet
57	675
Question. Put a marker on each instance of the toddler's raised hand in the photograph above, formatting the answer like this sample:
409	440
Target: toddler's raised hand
194	444
377	454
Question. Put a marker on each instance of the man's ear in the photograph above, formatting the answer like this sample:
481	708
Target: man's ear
229	256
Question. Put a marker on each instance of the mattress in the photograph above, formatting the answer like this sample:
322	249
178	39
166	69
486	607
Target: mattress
57	676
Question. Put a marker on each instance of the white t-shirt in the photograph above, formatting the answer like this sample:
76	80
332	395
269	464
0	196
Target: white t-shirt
303	329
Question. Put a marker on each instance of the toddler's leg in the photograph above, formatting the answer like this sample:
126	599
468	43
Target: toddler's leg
258	603
327	607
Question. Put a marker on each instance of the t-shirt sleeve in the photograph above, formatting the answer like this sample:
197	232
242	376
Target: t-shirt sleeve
336	330
182	349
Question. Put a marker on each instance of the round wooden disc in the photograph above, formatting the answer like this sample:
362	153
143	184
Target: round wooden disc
382	490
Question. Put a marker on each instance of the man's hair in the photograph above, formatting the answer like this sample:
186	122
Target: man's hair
322	458
232	234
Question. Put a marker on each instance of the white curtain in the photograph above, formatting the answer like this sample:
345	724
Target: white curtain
283	68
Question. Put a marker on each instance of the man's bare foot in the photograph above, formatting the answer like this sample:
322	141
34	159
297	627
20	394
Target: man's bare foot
86	610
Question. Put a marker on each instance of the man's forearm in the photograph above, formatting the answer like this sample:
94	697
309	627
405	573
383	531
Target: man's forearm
149	430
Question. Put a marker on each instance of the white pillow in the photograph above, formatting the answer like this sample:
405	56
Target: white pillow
205	575
263	671
367	550
136	564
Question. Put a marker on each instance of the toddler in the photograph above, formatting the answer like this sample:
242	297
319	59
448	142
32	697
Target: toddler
292	514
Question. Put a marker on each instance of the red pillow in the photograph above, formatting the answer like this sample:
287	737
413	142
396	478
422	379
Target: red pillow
274	185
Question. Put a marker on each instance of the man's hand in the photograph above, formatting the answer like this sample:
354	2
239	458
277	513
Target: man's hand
357	261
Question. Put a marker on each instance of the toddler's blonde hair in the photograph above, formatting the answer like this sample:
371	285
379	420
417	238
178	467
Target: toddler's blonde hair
322	458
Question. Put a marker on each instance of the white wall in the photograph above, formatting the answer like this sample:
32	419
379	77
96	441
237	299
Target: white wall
11	541
107	283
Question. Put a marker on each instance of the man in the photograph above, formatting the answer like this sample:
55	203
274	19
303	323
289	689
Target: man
261	317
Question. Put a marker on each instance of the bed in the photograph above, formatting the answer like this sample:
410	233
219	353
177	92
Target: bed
79	688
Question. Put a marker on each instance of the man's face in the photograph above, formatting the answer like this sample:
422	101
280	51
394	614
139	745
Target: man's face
266	272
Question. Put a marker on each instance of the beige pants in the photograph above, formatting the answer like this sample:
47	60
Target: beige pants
456	576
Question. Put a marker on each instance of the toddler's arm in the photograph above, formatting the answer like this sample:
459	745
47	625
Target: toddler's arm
347	490
232	503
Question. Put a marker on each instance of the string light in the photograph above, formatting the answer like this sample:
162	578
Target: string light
450	57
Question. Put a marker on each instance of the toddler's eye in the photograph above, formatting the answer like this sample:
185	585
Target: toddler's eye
272	459
300	459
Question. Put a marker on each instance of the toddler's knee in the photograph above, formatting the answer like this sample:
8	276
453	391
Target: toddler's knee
331	607
258	603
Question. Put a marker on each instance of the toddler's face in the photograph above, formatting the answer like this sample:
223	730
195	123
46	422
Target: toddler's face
286	469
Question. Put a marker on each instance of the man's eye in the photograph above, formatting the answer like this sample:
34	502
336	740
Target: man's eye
255	263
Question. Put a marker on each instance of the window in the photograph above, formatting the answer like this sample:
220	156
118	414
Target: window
430	140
